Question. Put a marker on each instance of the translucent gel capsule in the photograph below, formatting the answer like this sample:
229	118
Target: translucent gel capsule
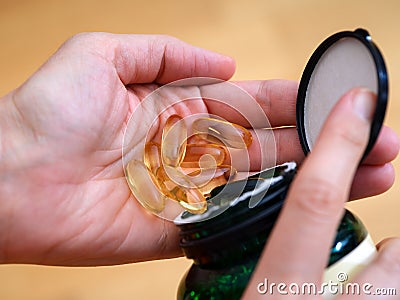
232	135
195	151
145	186
197	139
207	162
203	176
152	156
174	140
191	199
171	177
208	179
182	190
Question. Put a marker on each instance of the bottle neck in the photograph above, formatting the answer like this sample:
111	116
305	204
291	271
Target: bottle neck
240	247
238	232
229	233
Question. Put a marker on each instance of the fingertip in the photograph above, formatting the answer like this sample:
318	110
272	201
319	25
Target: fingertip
385	149
216	64
389	173
384	177
386	241
364	103
343	137
389	255
222	65
227	66
393	139
392	142
372	180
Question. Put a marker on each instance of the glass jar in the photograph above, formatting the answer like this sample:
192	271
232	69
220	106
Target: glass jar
226	242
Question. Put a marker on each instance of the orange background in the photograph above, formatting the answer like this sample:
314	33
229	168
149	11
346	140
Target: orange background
268	39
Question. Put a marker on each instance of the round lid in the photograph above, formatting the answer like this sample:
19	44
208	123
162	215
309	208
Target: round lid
345	60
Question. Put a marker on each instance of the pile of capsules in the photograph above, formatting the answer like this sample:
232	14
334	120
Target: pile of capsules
184	169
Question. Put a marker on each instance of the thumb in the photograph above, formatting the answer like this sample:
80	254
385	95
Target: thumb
314	204
344	137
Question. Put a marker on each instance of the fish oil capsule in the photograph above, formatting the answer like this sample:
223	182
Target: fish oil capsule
232	135
171	177
202	176
152	156
174	140
207	161
181	189
195	151
190	199
145	186
197	139
208	179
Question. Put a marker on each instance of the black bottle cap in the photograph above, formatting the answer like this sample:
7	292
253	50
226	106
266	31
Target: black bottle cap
343	61
229	219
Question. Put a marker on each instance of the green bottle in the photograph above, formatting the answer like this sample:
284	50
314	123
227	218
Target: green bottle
226	242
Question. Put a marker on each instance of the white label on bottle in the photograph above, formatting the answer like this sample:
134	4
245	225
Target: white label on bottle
343	271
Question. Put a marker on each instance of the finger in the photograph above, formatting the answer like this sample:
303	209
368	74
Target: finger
384	242
385	149
274	98
314	205
380	279
157	58
372	180
269	148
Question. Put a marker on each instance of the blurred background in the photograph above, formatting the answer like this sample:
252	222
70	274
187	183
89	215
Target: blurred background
268	39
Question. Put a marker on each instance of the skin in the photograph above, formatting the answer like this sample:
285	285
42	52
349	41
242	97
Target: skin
64	199
316	209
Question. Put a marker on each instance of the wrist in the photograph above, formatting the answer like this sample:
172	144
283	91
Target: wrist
15	136
14	156
7	127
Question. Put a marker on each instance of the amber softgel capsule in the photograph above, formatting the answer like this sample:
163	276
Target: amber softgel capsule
194	152
145	186
173	141
152	156
191	199
230	134
185	170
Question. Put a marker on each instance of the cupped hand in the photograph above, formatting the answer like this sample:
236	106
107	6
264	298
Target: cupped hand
64	198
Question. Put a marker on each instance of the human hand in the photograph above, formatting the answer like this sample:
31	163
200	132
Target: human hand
64	198
298	248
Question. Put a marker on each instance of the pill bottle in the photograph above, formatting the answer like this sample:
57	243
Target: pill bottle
225	248
226	241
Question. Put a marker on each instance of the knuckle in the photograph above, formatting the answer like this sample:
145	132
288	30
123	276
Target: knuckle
83	36
320	199
287	145
263	95
352	136
166	38
88	39
266	142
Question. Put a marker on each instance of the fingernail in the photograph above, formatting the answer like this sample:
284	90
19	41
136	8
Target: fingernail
364	103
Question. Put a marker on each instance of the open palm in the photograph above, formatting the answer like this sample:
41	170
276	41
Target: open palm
63	187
